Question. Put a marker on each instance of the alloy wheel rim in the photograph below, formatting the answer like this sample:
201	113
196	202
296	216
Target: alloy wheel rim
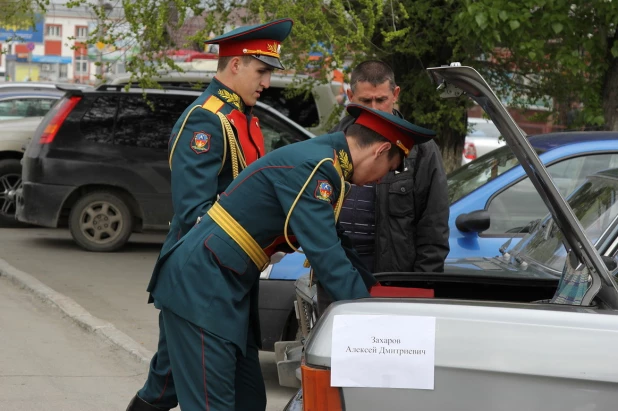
9	184
101	222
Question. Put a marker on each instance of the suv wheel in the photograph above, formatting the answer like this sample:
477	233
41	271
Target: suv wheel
10	181
100	221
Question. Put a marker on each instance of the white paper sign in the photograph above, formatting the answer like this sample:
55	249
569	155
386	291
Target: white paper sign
384	351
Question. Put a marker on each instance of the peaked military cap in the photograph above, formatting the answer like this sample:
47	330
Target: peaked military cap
398	131
262	41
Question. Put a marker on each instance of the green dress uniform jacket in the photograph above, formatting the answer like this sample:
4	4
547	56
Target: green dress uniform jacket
199	158
207	277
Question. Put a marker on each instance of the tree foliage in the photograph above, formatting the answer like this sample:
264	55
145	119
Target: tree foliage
20	14
563	49
558	50
154	27
404	33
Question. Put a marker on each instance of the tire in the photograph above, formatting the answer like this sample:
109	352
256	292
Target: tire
101	221
10	181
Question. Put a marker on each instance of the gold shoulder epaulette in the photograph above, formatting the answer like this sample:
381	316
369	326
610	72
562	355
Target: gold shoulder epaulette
213	104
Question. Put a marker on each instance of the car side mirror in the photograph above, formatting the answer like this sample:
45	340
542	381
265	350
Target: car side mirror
473	222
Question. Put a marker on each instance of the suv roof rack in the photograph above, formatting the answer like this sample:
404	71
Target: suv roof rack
164	86
104	87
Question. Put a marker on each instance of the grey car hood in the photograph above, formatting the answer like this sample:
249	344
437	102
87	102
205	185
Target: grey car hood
455	80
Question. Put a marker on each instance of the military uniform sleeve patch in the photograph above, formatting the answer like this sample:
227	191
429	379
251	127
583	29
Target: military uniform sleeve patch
323	190
200	143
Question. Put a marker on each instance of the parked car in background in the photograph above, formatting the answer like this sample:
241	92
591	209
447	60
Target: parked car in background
22	107
311	110
492	202
30	86
16	105
483	136
98	162
509	334
14	136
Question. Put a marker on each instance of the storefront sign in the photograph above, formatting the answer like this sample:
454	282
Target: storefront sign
23	34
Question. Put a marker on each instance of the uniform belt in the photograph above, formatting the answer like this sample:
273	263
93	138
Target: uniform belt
239	235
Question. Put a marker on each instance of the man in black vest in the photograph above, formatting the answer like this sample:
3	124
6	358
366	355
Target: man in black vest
401	223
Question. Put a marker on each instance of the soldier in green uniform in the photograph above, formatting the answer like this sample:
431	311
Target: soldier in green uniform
287	199
214	139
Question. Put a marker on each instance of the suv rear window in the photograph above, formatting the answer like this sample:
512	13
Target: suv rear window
300	109
136	124
97	124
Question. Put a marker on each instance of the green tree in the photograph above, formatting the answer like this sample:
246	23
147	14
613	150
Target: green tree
151	27
408	34
561	49
530	50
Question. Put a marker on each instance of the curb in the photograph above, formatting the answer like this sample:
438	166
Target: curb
75	312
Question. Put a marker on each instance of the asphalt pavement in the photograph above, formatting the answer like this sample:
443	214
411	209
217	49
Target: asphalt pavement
49	363
101	294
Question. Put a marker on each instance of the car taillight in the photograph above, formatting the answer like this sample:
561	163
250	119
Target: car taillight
318	395
469	151
62	111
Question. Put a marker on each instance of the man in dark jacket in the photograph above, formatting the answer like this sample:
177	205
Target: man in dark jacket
401	223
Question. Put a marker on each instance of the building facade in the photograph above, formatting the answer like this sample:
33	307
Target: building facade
54	50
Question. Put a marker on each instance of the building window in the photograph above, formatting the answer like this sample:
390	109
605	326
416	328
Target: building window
81	32
81	65
53	31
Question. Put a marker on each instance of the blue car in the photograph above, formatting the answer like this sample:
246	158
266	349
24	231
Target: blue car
493	204
493	201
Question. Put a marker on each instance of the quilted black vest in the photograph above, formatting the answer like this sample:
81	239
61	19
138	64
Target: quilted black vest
358	219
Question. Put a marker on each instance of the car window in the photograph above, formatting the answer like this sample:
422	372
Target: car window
277	133
595	204
97	123
299	108
471	176
141	125
25	107
512	209
483	129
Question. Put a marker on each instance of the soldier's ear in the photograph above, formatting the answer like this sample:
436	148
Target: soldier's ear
234	64
383	148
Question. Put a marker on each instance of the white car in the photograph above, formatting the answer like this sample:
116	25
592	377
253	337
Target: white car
483	136
483	340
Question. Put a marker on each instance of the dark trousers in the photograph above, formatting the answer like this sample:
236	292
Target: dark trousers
159	389
210	373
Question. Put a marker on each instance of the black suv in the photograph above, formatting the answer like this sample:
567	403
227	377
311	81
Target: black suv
98	162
